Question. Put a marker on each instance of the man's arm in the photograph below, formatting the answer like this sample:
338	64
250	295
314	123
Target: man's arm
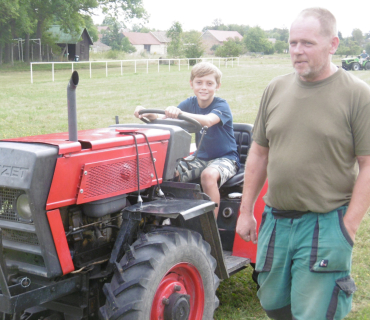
254	179
208	120
360	201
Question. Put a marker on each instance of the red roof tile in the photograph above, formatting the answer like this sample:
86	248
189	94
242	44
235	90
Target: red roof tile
141	38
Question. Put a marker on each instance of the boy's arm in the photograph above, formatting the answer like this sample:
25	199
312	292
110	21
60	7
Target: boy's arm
150	116
208	120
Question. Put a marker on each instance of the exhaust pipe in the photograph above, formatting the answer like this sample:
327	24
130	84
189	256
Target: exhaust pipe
72	110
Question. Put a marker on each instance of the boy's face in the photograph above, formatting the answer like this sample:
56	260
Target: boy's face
204	88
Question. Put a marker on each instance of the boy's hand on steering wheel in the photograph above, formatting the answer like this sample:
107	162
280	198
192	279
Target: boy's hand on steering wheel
172	112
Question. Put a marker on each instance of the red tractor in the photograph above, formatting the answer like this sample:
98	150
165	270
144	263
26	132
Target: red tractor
93	225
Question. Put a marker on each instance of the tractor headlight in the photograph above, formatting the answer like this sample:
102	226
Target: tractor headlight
23	207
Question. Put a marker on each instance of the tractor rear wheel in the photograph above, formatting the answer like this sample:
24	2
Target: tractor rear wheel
355	66
167	274
367	65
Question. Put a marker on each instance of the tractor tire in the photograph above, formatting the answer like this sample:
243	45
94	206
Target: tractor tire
167	274
356	66
367	65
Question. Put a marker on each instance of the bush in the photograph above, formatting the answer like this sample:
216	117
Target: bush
230	48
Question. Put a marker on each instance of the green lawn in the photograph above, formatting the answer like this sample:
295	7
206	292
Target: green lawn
41	107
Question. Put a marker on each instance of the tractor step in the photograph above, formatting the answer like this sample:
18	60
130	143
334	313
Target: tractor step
233	263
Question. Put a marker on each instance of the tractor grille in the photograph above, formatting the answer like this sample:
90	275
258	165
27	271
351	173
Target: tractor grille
8	204
20	236
117	177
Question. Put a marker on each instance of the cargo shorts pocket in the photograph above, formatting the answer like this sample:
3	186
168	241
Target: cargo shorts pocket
331	244
266	243
341	299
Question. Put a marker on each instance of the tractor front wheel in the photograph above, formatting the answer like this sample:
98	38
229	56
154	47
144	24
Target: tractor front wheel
367	65
166	275
355	66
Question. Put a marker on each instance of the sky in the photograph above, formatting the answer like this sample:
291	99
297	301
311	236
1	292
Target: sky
267	14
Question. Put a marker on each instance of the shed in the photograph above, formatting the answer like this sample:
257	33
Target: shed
161	36
145	42
218	37
72	44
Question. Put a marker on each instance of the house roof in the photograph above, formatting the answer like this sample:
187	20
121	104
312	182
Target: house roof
69	38
140	38
161	36
222	35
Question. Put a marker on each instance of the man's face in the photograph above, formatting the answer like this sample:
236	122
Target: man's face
310	51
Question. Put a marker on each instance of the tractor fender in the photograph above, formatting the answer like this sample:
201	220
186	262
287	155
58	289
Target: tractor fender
196	215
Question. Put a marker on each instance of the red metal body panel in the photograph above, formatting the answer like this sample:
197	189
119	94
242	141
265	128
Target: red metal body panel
114	177
68	173
95	139
60	241
245	249
105	148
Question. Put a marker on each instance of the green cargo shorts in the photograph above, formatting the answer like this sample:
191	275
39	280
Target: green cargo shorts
304	265
189	171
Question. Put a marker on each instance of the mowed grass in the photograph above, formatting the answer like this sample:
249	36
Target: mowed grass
41	107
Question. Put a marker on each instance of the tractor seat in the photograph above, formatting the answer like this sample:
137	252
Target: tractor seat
243	137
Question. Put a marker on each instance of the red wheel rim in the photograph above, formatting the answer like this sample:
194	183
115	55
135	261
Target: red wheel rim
188	278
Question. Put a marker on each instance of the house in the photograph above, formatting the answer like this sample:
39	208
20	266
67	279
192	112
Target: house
72	44
145	42
161	36
99	46
211	38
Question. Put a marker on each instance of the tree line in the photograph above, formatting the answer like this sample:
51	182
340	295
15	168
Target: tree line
30	20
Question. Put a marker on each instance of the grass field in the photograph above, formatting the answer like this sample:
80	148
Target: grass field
41	107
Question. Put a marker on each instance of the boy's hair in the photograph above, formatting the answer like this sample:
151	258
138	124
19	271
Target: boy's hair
204	69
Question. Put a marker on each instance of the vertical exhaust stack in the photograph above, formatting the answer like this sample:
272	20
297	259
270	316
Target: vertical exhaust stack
72	110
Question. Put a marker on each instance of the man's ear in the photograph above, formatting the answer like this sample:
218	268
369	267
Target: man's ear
334	45
218	86
191	84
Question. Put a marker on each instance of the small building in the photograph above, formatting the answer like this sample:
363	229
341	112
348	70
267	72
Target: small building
72	44
99	47
161	36
145	42
211	38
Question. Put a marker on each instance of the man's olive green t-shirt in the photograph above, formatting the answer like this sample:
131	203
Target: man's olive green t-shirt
314	131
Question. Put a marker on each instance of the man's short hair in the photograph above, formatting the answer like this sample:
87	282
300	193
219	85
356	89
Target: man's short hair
204	69
325	17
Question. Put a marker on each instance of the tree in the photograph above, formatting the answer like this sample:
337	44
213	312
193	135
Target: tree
367	48
90	27
256	41
357	36
230	48
22	18
112	37
280	46
193	45
175	48
140	28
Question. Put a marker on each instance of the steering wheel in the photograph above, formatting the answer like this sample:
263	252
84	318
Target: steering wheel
184	122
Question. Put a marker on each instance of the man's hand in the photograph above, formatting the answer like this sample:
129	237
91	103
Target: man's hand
246	228
150	116
172	112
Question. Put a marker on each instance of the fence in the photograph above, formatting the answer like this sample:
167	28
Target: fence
227	61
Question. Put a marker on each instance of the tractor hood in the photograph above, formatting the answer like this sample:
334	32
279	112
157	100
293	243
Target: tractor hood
96	139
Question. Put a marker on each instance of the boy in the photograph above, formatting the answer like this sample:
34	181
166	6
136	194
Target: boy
218	158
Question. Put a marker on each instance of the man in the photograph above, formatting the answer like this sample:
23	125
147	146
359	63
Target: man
363	56
312	142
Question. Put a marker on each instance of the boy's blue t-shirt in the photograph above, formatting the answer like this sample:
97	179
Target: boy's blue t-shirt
219	141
